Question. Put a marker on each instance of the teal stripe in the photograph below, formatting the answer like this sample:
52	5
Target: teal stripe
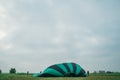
78	69
53	72
62	67
70	66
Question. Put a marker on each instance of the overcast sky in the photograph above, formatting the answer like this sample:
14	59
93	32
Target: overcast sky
37	33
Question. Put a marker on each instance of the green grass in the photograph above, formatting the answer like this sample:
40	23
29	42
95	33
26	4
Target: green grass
91	77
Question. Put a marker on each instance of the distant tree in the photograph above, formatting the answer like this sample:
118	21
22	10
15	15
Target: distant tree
88	73
95	72
27	72
0	71
12	70
101	71
109	72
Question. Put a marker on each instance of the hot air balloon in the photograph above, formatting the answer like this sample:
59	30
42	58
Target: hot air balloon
63	70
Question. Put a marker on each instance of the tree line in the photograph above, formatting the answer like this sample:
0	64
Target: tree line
12	71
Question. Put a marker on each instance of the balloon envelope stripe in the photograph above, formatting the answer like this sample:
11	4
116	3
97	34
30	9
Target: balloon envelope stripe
57	69
78	68
66	66
47	75
70	67
62	67
53	71
74	67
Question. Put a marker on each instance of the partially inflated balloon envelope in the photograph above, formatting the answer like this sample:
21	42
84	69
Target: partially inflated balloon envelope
63	70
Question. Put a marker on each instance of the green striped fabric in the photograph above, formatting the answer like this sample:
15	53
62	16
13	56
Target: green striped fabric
53	72
78	68
64	69
71	67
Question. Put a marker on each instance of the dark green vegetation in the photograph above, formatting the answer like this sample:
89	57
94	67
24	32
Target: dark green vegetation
12	70
114	76
0	71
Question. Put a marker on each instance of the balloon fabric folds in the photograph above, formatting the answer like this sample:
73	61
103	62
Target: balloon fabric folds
63	70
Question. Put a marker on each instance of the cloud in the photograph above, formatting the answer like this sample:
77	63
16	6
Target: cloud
36	34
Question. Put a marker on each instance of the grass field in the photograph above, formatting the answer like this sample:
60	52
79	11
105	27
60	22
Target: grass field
91	77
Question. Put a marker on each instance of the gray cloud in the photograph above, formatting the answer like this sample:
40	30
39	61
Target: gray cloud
36	34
